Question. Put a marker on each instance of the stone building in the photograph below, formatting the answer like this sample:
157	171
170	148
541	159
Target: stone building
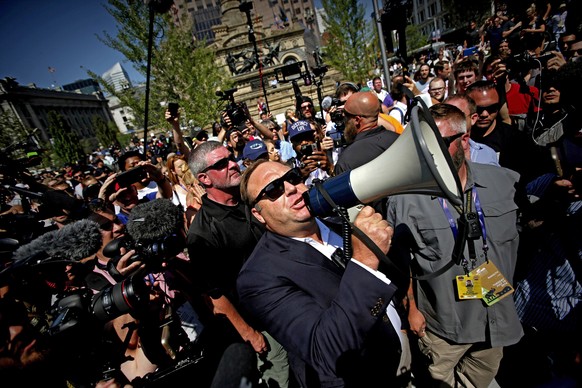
276	47
31	106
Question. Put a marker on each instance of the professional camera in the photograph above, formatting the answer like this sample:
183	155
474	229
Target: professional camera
523	62
74	311
236	112
153	253
337	116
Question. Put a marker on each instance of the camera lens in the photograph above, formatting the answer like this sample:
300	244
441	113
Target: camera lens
129	296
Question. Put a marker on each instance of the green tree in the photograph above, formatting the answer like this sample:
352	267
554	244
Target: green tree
65	142
106	133
11	130
182	69
414	38
348	49
462	11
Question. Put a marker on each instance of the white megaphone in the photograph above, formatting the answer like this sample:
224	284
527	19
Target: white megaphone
418	162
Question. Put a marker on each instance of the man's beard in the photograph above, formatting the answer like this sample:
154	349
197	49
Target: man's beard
458	158
227	184
350	132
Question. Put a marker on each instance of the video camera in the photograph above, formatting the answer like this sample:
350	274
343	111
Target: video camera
293	72
236	112
337	116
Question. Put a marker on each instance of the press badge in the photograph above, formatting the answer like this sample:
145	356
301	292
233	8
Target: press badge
495	286
469	287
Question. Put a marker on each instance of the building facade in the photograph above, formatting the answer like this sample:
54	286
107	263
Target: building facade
431	18
117	77
32	105
122	115
204	13
273	14
83	86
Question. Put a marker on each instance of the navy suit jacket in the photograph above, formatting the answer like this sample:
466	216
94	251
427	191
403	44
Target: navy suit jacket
331	322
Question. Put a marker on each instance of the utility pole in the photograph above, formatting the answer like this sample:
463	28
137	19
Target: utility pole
378	20
246	6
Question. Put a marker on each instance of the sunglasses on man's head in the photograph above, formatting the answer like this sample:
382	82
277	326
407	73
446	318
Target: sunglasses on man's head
449	139
221	163
303	107
489	108
276	188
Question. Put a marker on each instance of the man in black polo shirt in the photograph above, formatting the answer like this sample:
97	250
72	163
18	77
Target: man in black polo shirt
366	139
220	239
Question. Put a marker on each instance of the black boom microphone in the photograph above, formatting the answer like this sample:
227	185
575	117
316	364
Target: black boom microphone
72	243
154	220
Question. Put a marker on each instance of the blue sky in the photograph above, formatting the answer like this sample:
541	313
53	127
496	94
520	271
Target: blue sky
61	34
38	34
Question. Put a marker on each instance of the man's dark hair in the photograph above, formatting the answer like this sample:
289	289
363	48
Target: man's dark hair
480	86
396	92
569	83
346	88
470	102
467	64
127	155
440	66
300	101
487	62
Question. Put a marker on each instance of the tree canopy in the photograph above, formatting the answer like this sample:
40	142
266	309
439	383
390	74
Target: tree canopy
351	45
65	142
182	69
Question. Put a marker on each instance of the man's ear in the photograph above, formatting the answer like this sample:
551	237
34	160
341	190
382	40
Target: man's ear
204	179
474	118
257	215
465	141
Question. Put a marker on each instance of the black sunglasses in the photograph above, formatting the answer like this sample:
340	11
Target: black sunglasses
572	52
490	108
449	139
276	188
220	164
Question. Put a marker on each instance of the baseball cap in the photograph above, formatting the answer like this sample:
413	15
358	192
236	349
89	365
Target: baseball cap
254	149
299	127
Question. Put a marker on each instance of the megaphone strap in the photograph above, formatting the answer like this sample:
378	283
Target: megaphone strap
392	268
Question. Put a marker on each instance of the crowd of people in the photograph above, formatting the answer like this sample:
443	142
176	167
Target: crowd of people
201	259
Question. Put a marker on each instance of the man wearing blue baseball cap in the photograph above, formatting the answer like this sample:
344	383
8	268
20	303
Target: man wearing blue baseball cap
254	150
311	160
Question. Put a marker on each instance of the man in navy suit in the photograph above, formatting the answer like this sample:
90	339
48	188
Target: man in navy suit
337	325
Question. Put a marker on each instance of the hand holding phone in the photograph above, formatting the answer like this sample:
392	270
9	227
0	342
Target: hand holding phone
307	149
173	108
126	178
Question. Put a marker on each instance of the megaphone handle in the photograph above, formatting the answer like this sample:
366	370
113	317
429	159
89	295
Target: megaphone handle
392	268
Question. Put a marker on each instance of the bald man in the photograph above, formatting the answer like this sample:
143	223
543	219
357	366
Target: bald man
366	139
